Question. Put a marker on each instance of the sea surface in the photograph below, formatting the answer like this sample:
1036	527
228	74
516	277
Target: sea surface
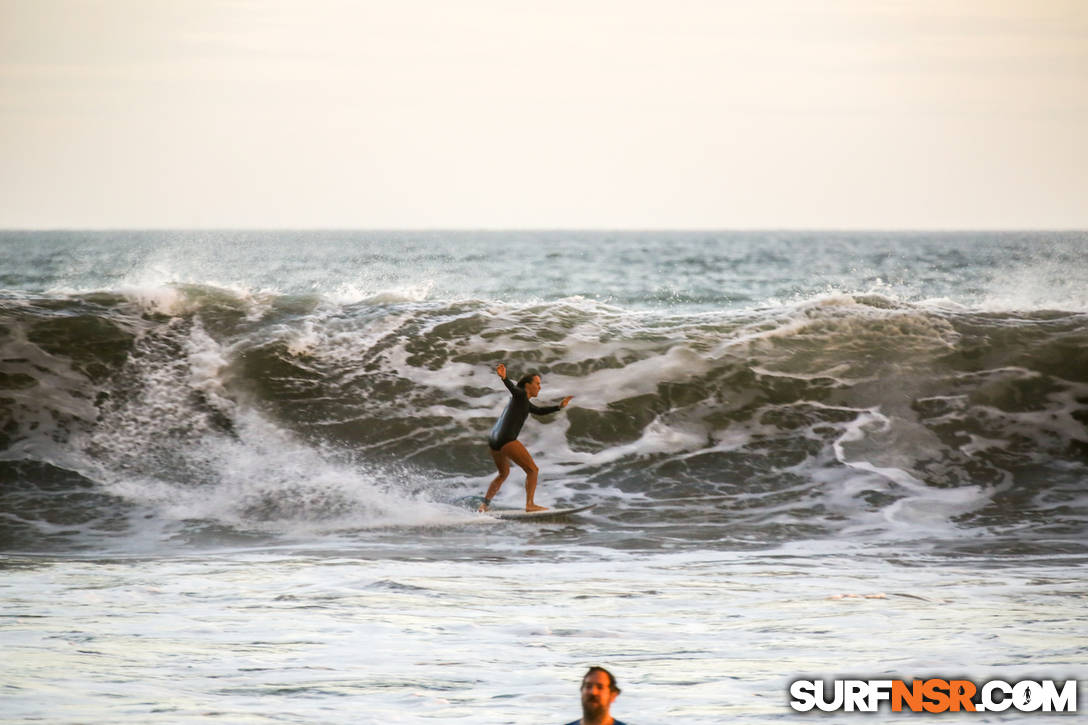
237	472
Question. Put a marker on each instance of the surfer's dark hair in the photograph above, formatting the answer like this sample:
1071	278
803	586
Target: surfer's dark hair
526	378
611	678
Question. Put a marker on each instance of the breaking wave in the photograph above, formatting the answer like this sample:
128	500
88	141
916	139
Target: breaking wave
212	408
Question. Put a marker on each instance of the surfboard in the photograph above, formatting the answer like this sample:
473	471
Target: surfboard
549	515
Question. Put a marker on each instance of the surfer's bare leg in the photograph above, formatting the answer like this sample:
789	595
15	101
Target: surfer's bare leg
502	463
516	452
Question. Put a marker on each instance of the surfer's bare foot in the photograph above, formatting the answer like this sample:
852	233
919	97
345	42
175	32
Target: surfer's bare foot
483	507
534	507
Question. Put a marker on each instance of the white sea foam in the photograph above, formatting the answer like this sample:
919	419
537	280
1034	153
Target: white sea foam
207	362
264	480
875	445
305	340
595	390
320	635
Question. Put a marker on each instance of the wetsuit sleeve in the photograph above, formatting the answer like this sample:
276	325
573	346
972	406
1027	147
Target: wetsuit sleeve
510	386
543	410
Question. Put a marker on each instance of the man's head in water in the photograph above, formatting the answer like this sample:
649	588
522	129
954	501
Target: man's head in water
531	383
599	691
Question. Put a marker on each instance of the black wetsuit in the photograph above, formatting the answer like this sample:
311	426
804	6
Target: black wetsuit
509	424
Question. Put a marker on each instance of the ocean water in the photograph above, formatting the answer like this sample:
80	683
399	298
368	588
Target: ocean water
236	471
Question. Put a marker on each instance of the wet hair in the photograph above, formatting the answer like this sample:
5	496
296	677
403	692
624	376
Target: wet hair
526	379
611	679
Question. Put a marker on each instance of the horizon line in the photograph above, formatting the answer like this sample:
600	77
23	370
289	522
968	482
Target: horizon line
489	229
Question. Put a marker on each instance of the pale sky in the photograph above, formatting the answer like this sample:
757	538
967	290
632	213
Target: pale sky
880	114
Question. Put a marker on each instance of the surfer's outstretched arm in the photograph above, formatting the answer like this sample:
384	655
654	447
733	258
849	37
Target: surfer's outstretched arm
514	390
548	409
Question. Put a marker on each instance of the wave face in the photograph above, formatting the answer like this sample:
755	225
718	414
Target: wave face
711	413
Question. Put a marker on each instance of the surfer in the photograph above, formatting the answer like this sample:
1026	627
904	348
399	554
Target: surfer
503	441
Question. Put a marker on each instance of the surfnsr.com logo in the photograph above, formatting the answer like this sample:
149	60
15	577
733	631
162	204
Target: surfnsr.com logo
934	695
